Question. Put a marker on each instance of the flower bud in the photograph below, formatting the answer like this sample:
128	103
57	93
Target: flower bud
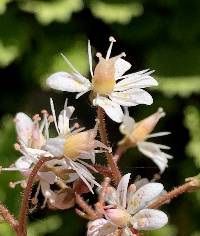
119	217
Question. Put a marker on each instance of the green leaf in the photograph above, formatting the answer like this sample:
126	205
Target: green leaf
49	11
192	123
118	12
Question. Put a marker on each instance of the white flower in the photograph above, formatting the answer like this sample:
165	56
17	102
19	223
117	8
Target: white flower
75	146
110	88
32	135
138	133
128	210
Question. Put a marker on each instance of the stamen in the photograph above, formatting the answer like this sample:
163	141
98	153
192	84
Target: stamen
45	124
17	147
161	111
90	58
54	114
13	184
70	64
112	40
36	117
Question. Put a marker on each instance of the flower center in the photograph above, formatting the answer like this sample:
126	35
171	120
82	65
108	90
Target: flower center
103	81
78	143
119	217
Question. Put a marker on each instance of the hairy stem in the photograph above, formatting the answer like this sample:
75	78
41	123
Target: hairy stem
187	187
89	212
27	193
102	130
9	218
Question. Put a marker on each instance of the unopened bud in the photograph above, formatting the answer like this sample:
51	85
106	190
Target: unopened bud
119	217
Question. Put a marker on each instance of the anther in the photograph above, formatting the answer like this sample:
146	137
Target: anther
34	201
112	39
12	184
76	126
98	54
17	146
36	117
123	54
161	111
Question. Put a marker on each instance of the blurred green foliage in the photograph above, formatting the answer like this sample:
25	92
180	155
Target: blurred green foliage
163	35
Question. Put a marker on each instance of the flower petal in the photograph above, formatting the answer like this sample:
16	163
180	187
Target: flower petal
122	189
63	119
148	219
142	196
121	66
23	163
24	127
112	109
128	123
100	227
153	151
141	79
131	97
111	196
68	82
55	146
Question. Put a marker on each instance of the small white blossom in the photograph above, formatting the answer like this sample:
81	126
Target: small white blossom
75	146
128	210
110	88
138	133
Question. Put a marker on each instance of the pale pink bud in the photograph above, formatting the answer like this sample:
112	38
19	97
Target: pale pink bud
119	217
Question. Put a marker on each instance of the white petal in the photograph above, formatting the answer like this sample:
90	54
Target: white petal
112	109
122	189
149	219
24	127
142	196
23	163
128	124
121	66
154	152
111	196
68	82
100	227
36	153
63	120
55	146
132	97
136	80
158	134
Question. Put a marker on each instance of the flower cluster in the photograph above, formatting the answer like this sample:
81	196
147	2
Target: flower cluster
128	210
67	160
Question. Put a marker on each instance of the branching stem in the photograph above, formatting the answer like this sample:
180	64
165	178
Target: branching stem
102	130
187	187
27	193
8	217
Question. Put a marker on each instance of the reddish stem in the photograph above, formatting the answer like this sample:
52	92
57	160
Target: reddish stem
187	187
102	130
9	218
27	193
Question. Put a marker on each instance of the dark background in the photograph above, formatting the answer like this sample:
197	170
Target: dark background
163	35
